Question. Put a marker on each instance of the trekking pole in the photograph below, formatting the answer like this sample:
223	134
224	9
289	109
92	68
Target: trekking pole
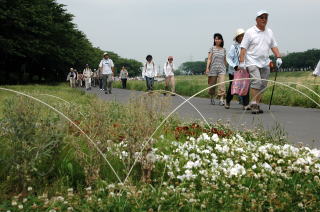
275	78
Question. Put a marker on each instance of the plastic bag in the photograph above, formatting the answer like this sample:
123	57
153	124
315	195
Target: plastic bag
240	87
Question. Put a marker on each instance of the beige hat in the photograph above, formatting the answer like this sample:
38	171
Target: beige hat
238	32
262	12
106	53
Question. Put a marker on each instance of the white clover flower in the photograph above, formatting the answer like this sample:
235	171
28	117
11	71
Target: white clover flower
206	151
60	198
161	137
244	158
237	170
29	188
20	206
254	166
24	200
266	166
315	153
215	137
70	208
14	203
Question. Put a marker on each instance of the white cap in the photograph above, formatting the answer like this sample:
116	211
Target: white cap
238	32
262	12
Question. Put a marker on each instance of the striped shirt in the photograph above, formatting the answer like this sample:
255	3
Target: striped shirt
217	65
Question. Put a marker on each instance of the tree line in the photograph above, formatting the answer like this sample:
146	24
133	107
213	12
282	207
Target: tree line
39	43
296	61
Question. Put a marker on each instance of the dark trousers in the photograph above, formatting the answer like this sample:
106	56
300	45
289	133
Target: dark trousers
124	83
149	81
244	99
100	83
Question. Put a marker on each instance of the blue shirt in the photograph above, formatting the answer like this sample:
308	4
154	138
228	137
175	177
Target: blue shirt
233	57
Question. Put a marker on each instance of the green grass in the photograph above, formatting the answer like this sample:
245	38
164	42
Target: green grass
189	85
47	164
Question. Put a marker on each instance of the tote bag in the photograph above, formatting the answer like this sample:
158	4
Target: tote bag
240	87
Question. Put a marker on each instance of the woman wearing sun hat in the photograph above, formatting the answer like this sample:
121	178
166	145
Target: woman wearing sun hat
233	61
168	69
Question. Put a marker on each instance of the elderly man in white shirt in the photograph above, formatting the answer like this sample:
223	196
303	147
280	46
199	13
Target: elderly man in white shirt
106	66
254	56
168	69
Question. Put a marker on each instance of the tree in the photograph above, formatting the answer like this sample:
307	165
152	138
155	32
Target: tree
39	42
196	68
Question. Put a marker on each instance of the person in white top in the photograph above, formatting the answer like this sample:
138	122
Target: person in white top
254	55
168	70
106	66
87	74
317	70
72	76
149	72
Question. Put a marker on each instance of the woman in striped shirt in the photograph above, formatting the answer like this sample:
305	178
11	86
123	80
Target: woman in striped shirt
216	68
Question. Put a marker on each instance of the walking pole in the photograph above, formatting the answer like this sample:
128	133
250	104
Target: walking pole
275	78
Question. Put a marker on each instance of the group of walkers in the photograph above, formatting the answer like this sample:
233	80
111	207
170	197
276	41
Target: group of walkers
249	53
103	77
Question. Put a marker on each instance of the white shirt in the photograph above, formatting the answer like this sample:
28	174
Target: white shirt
168	69
149	70
106	65
258	44
87	72
317	70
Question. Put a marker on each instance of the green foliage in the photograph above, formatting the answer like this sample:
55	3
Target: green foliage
195	68
39	43
298	60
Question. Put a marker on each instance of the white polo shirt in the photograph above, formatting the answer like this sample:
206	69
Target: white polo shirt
106	65
258	44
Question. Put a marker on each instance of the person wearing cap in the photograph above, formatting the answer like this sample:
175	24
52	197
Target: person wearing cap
87	74
254	56
233	61
106	66
216	68
149	72
168	70
72	76
123	76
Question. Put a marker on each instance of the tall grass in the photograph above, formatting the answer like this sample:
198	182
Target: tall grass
46	164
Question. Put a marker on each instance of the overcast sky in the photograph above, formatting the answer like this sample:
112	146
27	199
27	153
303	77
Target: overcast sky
184	28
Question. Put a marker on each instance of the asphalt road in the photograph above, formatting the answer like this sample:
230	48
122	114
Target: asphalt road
302	125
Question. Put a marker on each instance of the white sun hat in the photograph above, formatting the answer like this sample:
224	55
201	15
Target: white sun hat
238	32
262	12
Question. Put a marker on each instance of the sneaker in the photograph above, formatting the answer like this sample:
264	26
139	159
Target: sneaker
221	103
247	107
227	106
254	109
212	101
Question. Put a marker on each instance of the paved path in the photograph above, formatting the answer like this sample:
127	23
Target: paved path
301	124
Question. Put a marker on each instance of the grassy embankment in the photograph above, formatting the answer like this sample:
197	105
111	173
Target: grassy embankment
189	85
46	164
